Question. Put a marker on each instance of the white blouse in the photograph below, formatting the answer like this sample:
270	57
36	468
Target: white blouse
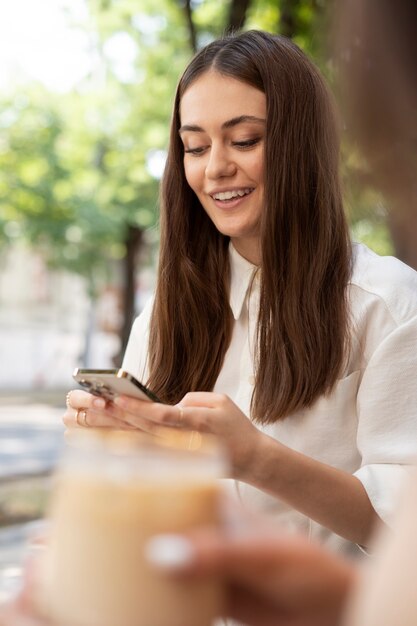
367	425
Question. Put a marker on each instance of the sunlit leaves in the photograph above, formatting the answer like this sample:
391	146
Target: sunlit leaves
77	170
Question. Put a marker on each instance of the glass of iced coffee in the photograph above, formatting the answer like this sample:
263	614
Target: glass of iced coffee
113	492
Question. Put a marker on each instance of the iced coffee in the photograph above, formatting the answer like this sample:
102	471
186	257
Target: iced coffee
112	494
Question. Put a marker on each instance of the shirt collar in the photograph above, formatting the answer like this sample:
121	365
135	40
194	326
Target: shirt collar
241	274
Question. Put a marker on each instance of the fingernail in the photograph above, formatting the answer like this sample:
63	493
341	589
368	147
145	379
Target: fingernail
99	403
169	552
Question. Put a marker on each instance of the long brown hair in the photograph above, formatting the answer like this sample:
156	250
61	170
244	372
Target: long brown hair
305	267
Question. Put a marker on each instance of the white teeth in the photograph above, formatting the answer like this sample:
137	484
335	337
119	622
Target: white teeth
228	195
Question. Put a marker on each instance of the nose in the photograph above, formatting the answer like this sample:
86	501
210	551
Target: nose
220	163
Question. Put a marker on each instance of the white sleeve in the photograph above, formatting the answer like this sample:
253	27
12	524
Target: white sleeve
135	360
387	410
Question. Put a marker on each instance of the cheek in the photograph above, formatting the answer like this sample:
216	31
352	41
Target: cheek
251	167
258	170
194	174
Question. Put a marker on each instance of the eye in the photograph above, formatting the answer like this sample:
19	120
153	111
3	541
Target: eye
247	143
195	151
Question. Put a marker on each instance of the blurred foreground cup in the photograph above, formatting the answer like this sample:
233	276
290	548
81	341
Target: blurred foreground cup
114	490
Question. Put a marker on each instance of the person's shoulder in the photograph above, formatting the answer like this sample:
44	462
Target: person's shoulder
386	278
136	353
143	319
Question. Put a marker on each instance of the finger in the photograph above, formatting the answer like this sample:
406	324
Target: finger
113	418
278	568
207	399
93	419
102	413
79	399
120	420
275	573
135	411
247	607
243	556
198	418
210	551
173	416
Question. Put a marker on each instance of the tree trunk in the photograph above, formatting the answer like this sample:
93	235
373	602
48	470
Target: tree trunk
133	244
191	27
403	226
287	25
237	14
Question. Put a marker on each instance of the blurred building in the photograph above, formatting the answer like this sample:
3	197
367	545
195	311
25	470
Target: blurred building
48	324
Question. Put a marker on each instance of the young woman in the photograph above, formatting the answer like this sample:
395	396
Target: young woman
268	328
271	578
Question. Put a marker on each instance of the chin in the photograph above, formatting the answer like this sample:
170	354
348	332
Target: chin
238	233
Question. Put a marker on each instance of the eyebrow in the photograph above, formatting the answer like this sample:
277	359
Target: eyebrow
228	124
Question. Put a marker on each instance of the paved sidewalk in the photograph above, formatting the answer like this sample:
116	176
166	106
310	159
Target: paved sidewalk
31	439
31	431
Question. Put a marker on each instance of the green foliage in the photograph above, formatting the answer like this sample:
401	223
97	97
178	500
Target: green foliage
365	206
75	169
210	19
263	15
54	190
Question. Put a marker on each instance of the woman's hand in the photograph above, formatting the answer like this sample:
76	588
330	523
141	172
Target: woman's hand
87	410
202	411
206	412
271	579
330	496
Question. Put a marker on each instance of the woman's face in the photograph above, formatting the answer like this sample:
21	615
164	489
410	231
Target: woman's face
223	132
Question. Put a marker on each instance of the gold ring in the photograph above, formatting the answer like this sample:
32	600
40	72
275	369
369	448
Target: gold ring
81	418
67	399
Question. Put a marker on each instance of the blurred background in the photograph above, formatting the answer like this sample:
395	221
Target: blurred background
86	89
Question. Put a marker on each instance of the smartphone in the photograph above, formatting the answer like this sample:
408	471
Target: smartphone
111	383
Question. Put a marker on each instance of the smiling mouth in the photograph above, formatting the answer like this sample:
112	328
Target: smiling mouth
227	196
